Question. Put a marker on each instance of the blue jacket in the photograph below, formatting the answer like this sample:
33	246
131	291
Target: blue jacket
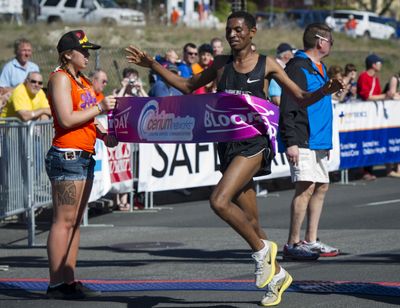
309	127
160	88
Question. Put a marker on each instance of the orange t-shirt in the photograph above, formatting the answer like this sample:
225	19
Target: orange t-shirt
174	17
99	97
82	137
351	24
320	68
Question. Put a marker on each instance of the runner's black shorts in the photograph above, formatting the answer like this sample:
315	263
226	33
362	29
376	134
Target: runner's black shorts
227	151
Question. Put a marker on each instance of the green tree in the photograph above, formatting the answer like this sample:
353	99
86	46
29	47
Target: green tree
372	5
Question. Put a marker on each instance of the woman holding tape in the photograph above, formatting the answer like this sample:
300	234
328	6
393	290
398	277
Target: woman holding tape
69	162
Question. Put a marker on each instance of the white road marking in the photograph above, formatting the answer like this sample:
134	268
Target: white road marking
379	203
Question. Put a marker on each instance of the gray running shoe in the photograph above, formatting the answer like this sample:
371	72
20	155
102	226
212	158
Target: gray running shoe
273	296
299	252
265	265
80	288
324	250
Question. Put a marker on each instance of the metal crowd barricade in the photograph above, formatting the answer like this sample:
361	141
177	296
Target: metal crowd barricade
40	136
24	185
13	141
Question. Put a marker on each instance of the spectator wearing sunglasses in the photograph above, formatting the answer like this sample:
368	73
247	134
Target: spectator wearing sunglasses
190	57
15	71
99	82
307	136
28	100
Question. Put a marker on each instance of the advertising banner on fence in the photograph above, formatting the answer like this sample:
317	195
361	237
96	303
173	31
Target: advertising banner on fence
113	170
176	166
193	118
121	169
369	133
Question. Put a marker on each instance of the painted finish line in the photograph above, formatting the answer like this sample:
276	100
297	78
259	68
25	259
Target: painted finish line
339	287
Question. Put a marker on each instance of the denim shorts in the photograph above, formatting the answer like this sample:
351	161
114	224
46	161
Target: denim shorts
60	169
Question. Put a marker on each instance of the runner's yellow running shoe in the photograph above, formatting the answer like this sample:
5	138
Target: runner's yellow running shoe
273	296
265	263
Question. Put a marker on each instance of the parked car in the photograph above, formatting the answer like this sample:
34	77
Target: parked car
90	11
369	24
394	23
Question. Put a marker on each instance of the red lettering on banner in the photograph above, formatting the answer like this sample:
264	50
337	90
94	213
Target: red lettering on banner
120	163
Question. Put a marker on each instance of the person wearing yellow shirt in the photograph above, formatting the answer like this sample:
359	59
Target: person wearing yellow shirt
28	100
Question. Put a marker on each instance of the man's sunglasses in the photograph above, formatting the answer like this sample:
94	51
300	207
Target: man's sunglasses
33	81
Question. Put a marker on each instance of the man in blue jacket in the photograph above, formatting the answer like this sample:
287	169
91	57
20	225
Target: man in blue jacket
307	136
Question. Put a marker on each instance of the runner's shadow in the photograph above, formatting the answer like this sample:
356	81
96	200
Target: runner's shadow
395	300
153	301
376	298
23	294
130	301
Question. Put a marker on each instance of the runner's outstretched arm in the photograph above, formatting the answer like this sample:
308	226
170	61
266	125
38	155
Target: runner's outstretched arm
186	85
303	98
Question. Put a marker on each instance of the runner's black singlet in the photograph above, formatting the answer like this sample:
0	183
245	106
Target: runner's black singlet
251	83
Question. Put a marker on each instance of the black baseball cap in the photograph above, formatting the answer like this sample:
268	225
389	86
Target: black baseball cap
284	47
77	40
372	59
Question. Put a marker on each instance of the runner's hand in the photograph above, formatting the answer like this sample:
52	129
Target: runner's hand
292	154
108	103
138	57
332	86
110	141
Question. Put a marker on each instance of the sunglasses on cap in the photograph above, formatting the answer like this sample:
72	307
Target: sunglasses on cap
330	41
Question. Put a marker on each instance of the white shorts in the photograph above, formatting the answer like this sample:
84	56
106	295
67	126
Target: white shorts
312	166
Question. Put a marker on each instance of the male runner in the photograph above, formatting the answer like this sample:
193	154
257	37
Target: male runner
234	197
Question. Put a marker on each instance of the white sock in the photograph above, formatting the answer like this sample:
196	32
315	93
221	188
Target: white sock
279	275
264	250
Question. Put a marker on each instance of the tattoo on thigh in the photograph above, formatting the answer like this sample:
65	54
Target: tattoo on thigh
65	193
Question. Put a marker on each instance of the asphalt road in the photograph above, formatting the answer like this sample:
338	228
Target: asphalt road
186	241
